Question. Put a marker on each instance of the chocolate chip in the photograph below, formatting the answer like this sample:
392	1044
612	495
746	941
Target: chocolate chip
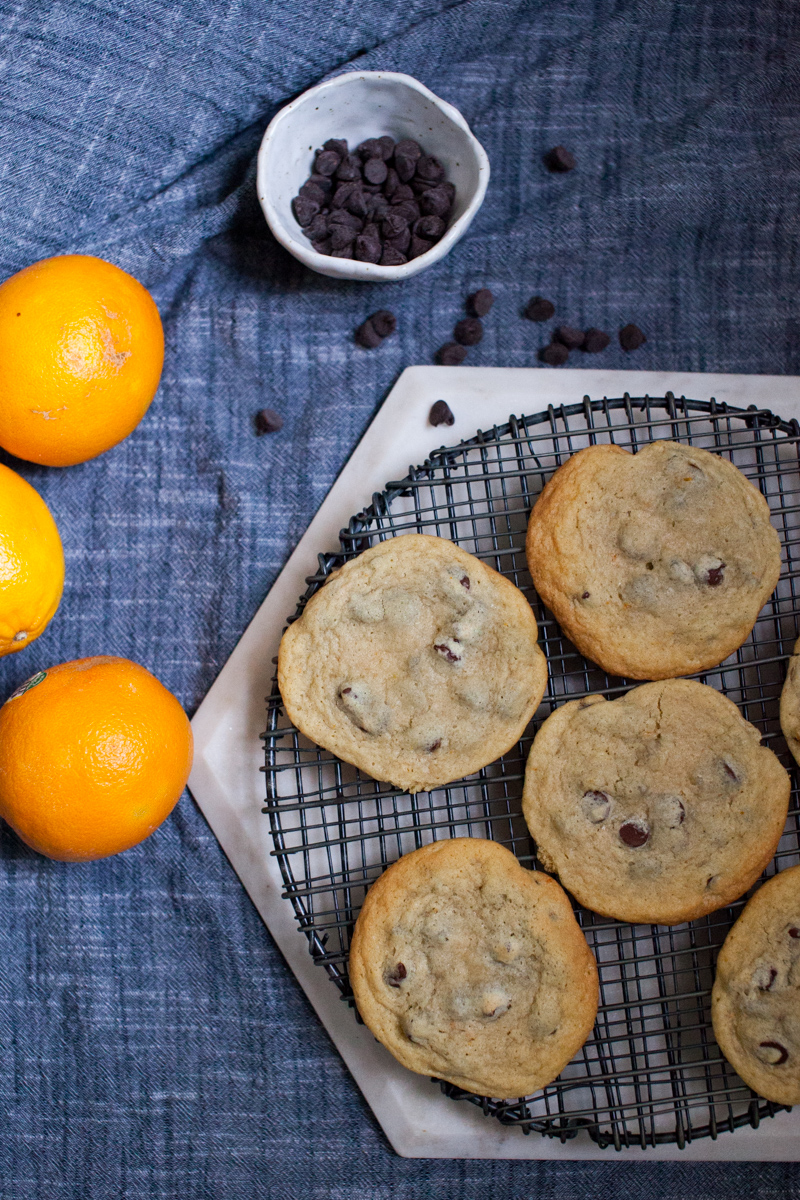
430	168
765	978
674	812
356	202
434	745
323	246
392	257
631	337
405	166
715	575
396	976
342	195
585	596
403	192
402	241
318	228
729	771
393	224
634	833
368	249
480	302
794	932
441	415
304	210
337	145
418	246
371	231
375	170
431	228
555	355
368	336
539	309
371	148
377	207
326	162
596	806
268	421
341	216
469	331
342	235
386	144
595	340
323	182
349	168
773	1053
441	647
464	581
310	191
451	354
392	183
435	202
406	208
559	160
345	252
408	147
573	339
384	322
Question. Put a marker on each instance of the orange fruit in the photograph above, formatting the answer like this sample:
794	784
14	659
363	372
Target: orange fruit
94	755
81	352
31	563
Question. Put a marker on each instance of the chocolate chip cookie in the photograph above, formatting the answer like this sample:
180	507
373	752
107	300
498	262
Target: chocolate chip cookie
654	564
415	662
658	807
468	967
755	1003
790	703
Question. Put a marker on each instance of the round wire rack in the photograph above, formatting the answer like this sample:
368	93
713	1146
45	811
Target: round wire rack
651	1072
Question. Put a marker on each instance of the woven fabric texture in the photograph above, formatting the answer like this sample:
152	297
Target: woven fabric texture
152	1041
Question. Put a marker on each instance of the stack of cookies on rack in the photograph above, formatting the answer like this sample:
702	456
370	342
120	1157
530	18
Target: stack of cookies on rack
419	664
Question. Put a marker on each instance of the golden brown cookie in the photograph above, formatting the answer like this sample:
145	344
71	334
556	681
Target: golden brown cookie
415	662
790	703
658	807
654	564
755	1003
469	967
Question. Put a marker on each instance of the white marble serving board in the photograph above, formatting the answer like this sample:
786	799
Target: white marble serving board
226	782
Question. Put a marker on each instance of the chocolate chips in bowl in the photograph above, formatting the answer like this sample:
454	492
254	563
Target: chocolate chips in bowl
387	202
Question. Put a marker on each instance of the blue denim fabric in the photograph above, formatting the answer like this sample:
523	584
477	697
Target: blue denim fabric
153	1043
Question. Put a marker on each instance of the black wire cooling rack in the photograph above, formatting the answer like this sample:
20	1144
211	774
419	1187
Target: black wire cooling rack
651	1072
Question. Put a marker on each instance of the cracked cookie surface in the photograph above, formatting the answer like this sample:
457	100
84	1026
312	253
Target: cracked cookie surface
658	807
654	564
415	662
469	967
755	1002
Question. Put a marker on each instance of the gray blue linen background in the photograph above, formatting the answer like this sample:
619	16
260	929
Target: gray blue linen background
153	1043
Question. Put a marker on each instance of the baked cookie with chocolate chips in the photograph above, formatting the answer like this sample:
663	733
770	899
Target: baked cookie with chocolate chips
415	662
755	1002
469	967
658	807
790	703
655	564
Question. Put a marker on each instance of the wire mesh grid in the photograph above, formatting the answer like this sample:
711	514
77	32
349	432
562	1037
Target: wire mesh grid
651	1072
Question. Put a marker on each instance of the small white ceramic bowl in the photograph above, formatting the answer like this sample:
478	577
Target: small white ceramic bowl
357	106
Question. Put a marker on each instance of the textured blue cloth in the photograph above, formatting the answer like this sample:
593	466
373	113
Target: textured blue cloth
153	1042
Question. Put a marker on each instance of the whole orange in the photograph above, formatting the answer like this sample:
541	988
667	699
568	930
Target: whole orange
81	352
94	755
31	563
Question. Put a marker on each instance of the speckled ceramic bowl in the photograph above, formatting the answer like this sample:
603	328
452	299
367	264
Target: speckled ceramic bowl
357	106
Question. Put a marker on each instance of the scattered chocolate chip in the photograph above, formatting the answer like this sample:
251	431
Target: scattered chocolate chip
480	302
367	336
431	228
418	246
326	162
559	160
442	647
594	341
434	745
597	806
634	833
441	415
469	331
631	337
375	170
573	339
396	976
304	210
451	355
349	168
384	322
773	1053
539	309
408	147
585	596
268	421
429	168
555	355
464	581
392	257
715	575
